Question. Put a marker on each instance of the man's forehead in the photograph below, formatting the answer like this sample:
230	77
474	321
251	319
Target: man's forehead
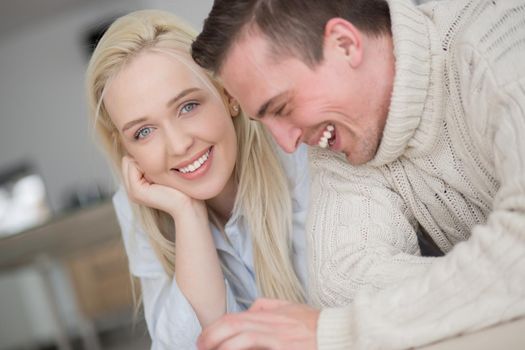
250	73
250	52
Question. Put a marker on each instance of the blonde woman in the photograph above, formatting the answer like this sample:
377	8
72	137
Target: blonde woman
215	217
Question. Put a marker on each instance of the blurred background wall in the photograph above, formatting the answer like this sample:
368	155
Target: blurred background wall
44	123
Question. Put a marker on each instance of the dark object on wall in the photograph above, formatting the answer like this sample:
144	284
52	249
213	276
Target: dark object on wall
84	195
95	32
14	172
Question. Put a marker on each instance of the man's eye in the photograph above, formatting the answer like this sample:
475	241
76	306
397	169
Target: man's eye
280	110
188	107
143	133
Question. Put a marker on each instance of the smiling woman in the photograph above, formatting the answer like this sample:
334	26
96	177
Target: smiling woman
219	213
168	120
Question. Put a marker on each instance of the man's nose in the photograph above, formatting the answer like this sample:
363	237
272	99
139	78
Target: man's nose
287	135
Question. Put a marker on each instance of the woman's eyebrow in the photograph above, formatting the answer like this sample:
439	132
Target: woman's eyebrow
170	102
181	95
133	122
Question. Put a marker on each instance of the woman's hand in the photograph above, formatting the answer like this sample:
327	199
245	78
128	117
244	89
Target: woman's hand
165	198
197	266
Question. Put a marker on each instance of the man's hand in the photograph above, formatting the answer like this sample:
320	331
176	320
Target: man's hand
268	324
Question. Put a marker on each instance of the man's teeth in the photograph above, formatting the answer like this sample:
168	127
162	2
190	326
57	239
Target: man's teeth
196	164
327	135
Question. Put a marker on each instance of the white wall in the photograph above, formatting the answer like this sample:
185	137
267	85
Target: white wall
194	12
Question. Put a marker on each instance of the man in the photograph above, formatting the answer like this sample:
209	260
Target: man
416	118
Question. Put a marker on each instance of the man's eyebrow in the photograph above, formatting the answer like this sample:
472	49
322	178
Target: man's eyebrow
264	108
170	102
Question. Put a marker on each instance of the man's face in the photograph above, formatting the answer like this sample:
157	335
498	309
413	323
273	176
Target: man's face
333	105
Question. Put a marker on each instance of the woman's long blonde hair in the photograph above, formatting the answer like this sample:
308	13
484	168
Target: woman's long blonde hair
263	195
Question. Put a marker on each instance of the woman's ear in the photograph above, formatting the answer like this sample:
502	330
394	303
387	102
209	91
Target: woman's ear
231	102
235	109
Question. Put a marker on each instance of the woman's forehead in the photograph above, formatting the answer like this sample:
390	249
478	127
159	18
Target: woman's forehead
150	82
182	67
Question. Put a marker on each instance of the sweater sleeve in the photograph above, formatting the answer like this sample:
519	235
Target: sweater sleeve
172	323
481	281
361	234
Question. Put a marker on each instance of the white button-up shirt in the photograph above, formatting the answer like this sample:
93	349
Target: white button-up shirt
171	320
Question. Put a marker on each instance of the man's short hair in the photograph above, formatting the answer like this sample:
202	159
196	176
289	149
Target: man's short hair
294	27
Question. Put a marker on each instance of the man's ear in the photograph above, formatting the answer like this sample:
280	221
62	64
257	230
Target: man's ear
344	39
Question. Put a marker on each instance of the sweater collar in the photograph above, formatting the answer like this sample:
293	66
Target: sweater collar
411	123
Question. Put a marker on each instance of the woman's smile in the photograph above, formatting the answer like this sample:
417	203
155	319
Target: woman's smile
197	167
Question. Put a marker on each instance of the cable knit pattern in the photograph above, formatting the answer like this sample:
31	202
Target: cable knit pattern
360	218
451	163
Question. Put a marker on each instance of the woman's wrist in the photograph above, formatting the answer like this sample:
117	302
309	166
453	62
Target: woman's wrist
194	209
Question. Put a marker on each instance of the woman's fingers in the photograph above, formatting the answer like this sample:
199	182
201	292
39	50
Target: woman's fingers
153	195
125	171
133	179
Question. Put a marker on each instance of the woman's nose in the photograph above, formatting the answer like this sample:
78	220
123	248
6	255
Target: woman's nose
178	142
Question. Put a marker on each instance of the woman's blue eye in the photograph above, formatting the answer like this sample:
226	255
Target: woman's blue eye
143	133
188	107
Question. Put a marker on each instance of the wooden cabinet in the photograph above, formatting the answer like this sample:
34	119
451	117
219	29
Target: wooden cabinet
93	294
101	280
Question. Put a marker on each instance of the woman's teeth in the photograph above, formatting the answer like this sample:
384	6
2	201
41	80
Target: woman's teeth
196	164
327	135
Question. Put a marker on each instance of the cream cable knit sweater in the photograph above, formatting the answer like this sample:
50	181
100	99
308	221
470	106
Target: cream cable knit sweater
452	160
